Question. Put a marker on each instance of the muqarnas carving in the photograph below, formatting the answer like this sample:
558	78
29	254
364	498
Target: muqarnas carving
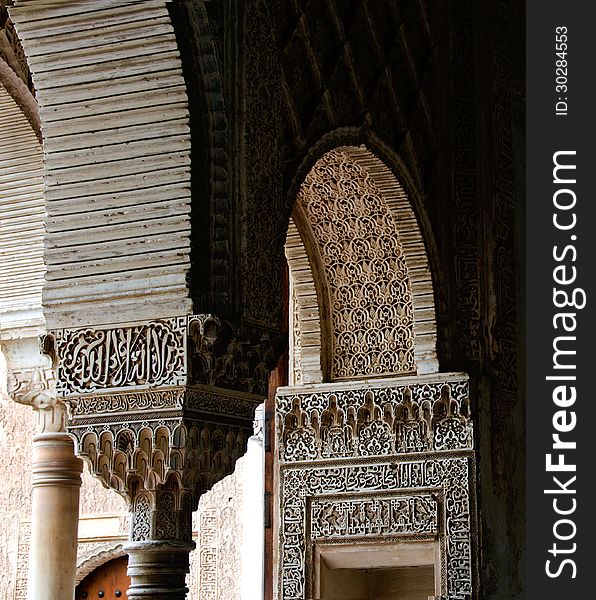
388	462
377	422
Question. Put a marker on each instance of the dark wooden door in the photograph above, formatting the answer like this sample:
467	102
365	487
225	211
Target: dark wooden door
108	581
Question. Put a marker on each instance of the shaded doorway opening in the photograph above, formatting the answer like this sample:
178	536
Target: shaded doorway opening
387	571
401	583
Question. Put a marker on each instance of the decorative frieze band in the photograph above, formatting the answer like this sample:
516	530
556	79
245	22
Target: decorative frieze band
347	517
375	418
146	354
440	481
201	399
127	403
185	350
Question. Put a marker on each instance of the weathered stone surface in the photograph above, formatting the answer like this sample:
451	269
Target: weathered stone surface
21	223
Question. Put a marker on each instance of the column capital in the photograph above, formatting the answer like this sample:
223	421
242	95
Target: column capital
36	387
162	410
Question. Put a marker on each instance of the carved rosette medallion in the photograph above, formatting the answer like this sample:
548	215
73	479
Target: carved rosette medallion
384	462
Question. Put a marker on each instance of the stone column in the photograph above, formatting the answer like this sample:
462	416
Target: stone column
157	569
56	487
160	542
150	412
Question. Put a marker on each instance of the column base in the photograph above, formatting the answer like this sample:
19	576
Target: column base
158	569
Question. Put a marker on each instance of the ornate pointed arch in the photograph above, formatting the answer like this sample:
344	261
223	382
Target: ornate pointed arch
360	277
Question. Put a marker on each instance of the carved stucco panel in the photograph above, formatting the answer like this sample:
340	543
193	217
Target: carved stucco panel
220	539
383	463
370	298
151	353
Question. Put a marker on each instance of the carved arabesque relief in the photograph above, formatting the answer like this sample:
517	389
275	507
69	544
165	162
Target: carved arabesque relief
386	462
230	357
261	196
411	417
344	517
151	353
36	387
195	349
149	429
366	275
228	525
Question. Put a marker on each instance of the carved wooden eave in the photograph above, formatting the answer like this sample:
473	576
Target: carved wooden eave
113	107
21	224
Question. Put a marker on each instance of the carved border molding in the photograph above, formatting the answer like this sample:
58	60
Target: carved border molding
381	461
94	554
22	563
208	545
149	405
302	486
415	415
356	516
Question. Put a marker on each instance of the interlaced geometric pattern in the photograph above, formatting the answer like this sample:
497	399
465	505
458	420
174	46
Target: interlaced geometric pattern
369	287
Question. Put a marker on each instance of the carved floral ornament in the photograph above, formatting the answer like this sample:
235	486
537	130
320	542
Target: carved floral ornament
370	297
161	409
382	462
36	387
376	421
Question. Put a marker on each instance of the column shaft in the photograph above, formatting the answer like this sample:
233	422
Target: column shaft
55	517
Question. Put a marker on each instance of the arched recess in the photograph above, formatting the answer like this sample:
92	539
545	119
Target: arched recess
22	211
361	286
361	230
95	555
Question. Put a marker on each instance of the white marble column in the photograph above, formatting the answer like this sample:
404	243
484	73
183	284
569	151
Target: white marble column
56	487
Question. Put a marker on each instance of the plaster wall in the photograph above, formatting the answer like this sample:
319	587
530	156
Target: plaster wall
17	428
